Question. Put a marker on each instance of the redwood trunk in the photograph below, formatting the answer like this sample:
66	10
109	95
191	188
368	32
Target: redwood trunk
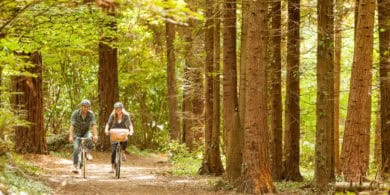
108	89
212	163
339	14
324	158
256	174
172	91
377	145
384	45
187	115
355	154
292	113
230	97
192	107
29	102
242	73
276	93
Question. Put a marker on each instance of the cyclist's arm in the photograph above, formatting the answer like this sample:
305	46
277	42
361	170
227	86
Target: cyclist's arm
71	130
106	129
93	126
95	133
73	119
130	125
110	119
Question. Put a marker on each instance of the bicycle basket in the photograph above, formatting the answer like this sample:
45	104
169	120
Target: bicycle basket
119	135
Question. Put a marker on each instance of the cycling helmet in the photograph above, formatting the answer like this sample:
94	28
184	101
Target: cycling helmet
85	102
118	105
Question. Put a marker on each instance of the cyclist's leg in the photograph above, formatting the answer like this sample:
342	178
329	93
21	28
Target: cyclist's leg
76	145
123	147
113	152
89	144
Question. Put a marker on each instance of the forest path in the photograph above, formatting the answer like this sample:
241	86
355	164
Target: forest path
139	175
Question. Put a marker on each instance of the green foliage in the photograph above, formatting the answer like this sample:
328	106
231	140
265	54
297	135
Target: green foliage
8	121
184	163
16	177
136	151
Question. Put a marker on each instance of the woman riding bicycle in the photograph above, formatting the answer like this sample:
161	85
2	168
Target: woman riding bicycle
119	119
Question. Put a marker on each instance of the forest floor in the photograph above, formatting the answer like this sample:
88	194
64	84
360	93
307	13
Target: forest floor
139	175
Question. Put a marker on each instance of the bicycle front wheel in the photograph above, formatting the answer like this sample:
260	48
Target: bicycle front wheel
118	159
84	163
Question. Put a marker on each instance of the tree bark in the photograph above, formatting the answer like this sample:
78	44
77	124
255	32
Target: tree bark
256	175
292	111
242	73
187	115
355	154
377	145
339	14
192	105
276	93
108	88
29	103
232	129
324	156
384	49
212	163
172	91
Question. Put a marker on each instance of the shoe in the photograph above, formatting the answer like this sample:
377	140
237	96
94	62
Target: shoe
89	156
75	170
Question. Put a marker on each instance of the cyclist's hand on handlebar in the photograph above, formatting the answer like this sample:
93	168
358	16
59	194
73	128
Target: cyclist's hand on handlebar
106	132
131	132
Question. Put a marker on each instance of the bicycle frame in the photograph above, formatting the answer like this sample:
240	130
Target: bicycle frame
82	163
121	135
118	160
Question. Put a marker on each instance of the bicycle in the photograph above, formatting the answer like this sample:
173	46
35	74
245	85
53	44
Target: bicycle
82	154
118	136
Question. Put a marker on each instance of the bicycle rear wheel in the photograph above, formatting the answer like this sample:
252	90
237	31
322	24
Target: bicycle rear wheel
118	159
84	163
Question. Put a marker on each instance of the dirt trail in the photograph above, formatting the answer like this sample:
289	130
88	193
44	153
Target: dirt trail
139	175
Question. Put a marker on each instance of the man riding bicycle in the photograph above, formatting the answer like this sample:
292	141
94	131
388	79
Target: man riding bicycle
81	121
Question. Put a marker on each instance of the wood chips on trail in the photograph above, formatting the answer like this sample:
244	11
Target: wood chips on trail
139	175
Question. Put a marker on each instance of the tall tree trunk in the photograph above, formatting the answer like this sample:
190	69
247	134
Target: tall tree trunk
172	91
187	116
29	103
212	163
242	69
256	174
324	158
355	154
337	69
108	88
377	145
231	121
384	45
292	110
276	93
192	84
216	97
